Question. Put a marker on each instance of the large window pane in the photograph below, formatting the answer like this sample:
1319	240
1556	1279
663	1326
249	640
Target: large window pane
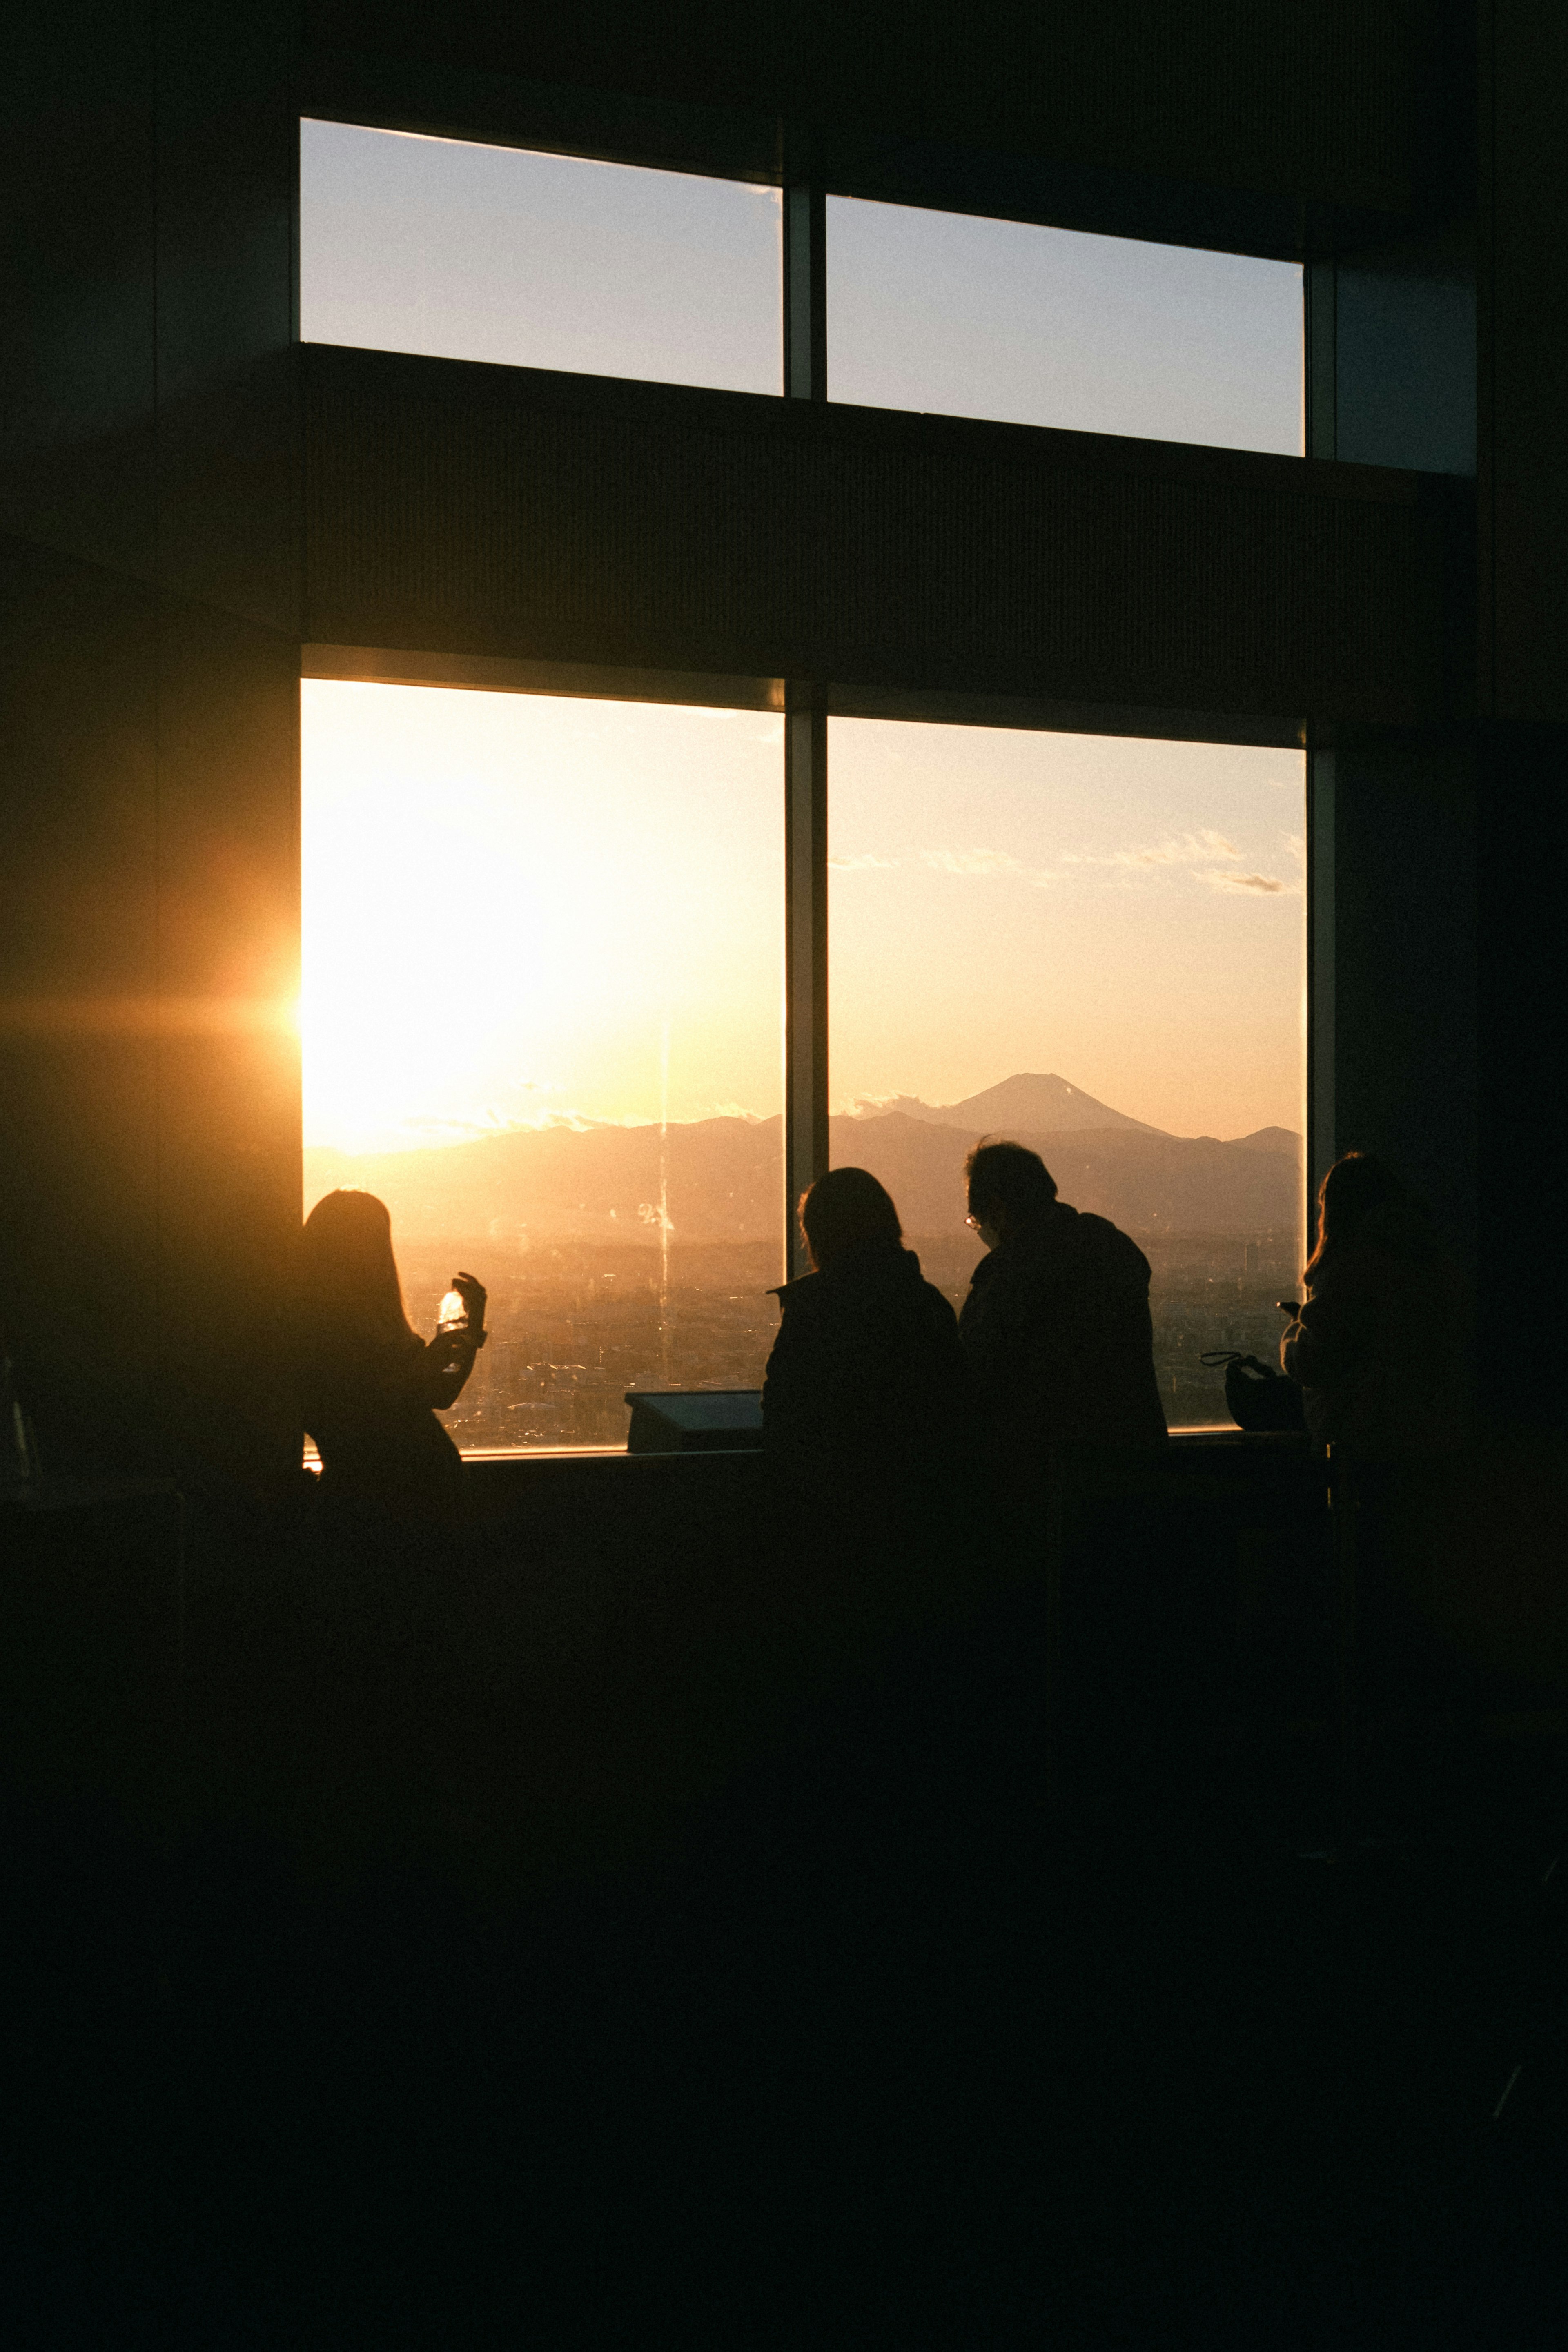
1095	947
1048	326
542	981
466	252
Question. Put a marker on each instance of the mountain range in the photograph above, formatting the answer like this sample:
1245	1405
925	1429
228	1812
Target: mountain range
718	1179
1048	1106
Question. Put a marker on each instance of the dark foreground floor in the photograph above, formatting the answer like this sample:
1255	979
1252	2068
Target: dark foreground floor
871	2055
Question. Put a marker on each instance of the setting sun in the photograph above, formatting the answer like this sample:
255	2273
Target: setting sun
509	900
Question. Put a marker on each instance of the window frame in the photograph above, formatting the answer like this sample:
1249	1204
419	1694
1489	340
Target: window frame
719	143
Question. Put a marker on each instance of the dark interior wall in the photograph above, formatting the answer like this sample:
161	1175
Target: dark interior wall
78	934
229	1091
227	197
1524	379
1319	106
1523	808
81	361
148	1189
1522	675
517	512
1405	948
1443	349
150	940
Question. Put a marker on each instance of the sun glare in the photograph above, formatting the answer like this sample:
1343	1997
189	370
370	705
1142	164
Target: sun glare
508	899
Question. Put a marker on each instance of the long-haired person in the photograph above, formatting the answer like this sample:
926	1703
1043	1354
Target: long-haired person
1380	1347
371	1386
866	1376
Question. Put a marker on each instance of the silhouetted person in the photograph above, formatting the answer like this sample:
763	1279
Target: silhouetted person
866	1378
866	1425
1056	1327
1380	1346
370	1387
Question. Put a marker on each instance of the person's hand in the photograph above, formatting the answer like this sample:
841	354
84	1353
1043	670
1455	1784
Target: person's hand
472	1292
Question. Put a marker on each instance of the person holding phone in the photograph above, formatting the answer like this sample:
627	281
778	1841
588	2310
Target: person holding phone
370	1387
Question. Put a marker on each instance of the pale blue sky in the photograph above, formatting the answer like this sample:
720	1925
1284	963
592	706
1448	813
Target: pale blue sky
464	251
467	252
1045	326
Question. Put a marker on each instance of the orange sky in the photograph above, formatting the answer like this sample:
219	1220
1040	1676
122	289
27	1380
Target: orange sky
522	907
1127	915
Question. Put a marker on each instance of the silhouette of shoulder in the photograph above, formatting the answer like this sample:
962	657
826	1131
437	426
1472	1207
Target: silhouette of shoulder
1068	1248
1058	1333
853	1344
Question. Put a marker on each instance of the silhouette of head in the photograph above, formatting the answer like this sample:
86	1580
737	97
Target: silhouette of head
350	1272
845	1210
1354	1190
1009	1180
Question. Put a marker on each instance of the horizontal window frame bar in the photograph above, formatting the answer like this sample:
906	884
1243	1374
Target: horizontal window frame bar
704	406
497	673
875	165
934	707
617	529
427	100
600	682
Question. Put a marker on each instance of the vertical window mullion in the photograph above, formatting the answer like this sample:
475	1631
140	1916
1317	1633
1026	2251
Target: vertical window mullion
1321	359
1321	1141
806	758
1320	389
804	291
806	959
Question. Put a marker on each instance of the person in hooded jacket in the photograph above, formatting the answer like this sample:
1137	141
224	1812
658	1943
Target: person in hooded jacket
1056	1327
866	1378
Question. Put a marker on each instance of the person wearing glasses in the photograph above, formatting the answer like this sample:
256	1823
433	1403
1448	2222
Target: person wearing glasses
1056	1327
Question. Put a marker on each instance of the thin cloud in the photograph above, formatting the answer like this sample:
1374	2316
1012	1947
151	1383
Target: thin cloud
986	863
1198	852
1187	849
972	865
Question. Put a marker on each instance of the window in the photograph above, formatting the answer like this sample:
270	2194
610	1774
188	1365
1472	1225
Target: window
1048	326
459	250
544	937
468	252
1094	946
542	981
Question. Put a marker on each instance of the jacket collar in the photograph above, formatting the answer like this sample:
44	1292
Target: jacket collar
865	1269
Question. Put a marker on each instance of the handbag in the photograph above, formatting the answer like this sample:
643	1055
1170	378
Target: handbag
1256	1396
